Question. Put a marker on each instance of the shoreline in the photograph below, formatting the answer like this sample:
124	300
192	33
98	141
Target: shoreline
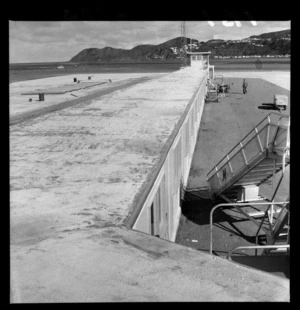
23	72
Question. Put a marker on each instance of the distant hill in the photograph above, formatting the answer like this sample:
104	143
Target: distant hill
274	35
272	43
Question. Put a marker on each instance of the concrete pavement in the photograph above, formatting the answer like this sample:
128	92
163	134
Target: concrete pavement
74	174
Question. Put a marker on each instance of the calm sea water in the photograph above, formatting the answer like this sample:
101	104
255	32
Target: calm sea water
31	71
23	72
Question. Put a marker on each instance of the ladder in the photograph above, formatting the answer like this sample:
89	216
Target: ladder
263	152
258	156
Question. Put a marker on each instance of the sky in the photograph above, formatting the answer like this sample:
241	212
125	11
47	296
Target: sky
34	41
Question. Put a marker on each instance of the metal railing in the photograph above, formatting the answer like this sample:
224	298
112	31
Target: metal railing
273	196
253	134
256	247
236	206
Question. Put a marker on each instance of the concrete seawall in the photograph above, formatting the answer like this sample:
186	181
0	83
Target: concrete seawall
159	209
75	178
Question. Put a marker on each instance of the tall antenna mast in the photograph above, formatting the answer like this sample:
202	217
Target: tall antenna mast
183	45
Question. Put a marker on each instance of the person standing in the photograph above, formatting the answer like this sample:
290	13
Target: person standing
245	85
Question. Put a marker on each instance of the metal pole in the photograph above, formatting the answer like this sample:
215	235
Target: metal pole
273	181
287	246
228	205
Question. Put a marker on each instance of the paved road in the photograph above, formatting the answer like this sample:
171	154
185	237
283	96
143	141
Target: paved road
63	105
223	125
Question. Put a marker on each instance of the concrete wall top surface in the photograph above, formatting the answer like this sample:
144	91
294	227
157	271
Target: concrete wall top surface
114	264
84	165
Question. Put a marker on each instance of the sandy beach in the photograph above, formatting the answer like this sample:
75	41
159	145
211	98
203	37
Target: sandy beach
19	104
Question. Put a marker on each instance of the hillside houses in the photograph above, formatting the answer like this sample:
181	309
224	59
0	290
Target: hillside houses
188	47
250	56
252	47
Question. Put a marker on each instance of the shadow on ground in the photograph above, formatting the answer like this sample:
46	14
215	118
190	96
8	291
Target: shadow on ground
230	229
198	212
268	106
235	93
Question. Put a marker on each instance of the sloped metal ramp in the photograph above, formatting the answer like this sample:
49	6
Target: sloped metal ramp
257	157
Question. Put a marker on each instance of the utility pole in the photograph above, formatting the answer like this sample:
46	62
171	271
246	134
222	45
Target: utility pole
183	45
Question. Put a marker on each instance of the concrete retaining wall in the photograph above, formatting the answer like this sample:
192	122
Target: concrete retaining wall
161	210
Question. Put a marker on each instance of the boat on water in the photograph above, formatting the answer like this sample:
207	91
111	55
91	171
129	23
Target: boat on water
60	67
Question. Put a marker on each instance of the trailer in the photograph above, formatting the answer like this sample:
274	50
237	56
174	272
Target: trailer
280	102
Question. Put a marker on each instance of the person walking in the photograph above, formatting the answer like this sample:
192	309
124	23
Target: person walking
245	85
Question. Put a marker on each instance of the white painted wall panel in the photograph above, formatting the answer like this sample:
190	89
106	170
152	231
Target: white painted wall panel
164	195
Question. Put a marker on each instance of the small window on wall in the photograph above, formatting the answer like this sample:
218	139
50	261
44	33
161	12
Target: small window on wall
152	219
193	57
156	209
154	222
167	226
159	201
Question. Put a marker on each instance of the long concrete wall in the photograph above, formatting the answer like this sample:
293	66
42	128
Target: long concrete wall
161	210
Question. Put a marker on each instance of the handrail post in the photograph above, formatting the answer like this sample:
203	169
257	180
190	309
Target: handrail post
243	152
268	133
229	164
261	223
258	138
211	222
273	181
217	173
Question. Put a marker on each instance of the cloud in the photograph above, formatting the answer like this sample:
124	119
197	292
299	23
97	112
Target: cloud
59	41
